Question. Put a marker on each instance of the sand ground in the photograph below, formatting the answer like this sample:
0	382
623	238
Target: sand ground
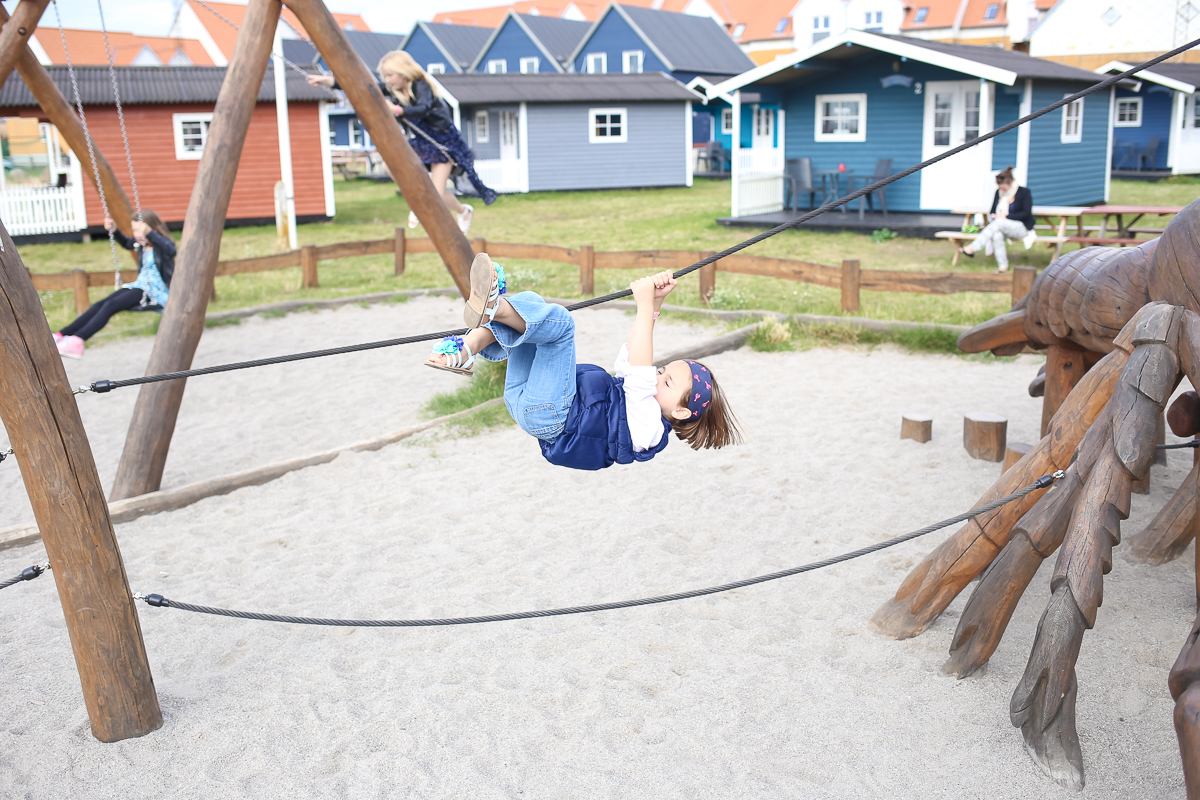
776	690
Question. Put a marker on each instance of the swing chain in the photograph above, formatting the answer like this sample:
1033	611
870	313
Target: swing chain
112	76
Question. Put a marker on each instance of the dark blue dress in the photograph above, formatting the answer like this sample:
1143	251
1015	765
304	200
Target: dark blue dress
431	116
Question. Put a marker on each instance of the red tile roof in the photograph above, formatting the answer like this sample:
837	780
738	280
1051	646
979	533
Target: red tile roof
941	14
225	36
87	47
491	16
761	18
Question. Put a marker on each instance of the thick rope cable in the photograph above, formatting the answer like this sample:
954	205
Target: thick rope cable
112	76
107	385
159	601
112	241
27	574
1194	443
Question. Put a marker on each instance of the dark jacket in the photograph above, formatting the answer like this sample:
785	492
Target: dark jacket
1021	207
432	110
596	434
164	251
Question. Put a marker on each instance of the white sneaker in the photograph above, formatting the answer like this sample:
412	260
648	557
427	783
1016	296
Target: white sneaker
412	219
464	218
1030	239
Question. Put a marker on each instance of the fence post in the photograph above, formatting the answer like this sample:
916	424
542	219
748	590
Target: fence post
587	270
708	280
308	266
850	277
79	279
479	246
1022	282
401	246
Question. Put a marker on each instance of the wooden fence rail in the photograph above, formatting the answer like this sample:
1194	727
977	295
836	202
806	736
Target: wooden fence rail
848	277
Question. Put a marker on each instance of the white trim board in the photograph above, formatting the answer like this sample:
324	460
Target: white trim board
1162	80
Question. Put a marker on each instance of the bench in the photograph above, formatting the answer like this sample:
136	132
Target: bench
958	237
1088	240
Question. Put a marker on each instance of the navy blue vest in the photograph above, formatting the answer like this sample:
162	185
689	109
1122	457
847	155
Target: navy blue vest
597	434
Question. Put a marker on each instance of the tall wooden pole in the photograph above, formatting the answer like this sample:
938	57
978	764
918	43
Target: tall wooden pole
63	116
410	174
157	407
50	444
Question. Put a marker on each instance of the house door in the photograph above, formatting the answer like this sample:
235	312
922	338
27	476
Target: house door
764	128
508	136
1187	149
953	115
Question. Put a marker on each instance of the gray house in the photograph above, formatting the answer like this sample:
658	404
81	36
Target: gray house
550	131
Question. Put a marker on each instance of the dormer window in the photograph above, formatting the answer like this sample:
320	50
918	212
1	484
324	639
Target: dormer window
781	26
738	30
992	10
919	17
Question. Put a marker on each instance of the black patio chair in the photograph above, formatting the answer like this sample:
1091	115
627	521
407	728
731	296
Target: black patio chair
1149	152
883	168
798	177
717	157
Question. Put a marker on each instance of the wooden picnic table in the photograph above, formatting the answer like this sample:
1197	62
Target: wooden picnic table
1054	217
1120	212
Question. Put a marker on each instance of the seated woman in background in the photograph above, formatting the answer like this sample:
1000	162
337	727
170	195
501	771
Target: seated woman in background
156	264
1011	217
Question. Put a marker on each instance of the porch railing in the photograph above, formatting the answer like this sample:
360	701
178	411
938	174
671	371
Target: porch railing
29	210
760	180
501	174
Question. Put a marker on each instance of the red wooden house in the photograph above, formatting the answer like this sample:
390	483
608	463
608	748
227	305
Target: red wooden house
167	112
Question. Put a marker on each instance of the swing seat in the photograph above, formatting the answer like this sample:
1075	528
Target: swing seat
157	309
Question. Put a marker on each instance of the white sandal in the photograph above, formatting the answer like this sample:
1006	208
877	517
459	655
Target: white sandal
454	348
412	219
487	281
464	218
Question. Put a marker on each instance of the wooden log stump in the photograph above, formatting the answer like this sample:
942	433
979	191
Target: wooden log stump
1064	368
985	436
1023	278
1013	452
917	427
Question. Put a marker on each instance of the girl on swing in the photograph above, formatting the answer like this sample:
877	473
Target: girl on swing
417	102
583	417
156	263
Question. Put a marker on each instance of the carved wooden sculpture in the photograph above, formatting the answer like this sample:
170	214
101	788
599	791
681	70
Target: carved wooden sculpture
1132	316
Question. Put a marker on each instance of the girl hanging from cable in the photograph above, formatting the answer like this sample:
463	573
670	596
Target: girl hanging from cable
418	104
156	263
583	417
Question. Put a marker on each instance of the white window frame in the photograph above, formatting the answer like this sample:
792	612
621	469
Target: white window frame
482	131
355	126
1067	136
592	60
623	137
529	65
626	59
177	120
988	8
436	68
861	136
497	66
727	121
1136	102
332	132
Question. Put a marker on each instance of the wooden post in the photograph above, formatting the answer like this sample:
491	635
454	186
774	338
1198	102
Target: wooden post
411	177
60	113
79	284
401	247
917	427
850	279
985	436
479	246
157	407
308	266
43	423
708	281
1064	368
15	38
587	270
1022	284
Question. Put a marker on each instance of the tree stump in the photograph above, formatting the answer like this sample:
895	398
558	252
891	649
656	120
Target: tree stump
985	435
1013	452
917	427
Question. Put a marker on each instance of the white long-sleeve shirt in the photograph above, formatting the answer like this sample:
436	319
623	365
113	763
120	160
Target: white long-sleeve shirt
642	411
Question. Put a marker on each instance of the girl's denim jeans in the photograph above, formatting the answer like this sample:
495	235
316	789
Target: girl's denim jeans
541	364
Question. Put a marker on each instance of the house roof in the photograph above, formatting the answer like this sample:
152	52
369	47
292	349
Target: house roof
1180	77
762	18
300	53
152	86
943	13
224	36
681	41
460	43
558	36
492	16
474	88
989	63
87	48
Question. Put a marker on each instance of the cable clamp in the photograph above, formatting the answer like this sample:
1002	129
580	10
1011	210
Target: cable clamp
156	600
1048	480
29	573
5	454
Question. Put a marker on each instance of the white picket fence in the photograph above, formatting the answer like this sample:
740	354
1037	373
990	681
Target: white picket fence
760	180
501	174
42	209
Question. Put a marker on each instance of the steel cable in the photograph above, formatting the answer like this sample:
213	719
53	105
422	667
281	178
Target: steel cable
27	574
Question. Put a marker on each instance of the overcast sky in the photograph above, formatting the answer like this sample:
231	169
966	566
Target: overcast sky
153	17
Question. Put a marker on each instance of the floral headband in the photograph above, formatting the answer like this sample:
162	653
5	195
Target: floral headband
701	394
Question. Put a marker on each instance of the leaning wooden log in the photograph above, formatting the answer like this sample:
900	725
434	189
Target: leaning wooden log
917	427
985	436
1171	530
157	407
14	39
43	423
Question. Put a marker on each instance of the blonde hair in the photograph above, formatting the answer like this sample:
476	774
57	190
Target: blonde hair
401	63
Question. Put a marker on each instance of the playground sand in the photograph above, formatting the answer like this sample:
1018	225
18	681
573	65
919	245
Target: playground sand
776	690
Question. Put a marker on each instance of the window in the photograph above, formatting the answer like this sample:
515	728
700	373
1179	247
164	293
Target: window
497	66
781	26
529	65
1110	17
597	63
738	30
943	108
1072	122
919	17
992	10
481	127
820	28
764	123
727	120
356	133
971	117
631	61
841	118
1129	113
874	18
191	131
607	125
332	134
436	68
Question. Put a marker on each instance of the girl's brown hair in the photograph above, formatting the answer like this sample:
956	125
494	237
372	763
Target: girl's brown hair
716	427
1005	175
155	222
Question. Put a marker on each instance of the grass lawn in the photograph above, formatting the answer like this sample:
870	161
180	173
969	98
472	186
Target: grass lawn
675	218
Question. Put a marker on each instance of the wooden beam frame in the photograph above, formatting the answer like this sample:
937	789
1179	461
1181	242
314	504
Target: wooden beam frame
15	38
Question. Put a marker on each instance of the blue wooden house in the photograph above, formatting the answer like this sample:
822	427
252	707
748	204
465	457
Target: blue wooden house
1155	119
552	131
857	97
443	48
528	43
